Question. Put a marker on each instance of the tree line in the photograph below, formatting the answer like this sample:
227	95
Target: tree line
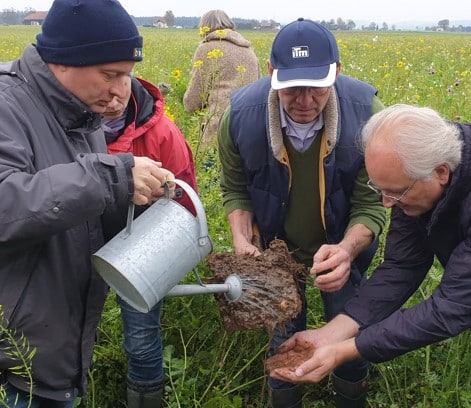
15	17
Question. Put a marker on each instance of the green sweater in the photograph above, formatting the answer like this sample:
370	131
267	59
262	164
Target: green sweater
303	225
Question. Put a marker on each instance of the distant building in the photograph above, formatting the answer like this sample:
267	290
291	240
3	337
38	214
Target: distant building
160	22
35	18
268	25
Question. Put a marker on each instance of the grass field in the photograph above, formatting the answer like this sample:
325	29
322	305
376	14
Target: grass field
207	367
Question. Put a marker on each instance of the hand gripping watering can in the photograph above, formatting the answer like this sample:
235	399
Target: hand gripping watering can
144	262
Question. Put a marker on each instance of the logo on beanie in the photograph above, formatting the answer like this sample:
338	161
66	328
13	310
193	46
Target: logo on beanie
137	53
300	51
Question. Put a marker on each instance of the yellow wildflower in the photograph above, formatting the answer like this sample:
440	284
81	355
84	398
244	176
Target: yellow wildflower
176	73
169	114
221	33
215	54
204	31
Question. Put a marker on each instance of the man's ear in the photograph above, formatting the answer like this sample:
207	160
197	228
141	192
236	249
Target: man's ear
443	173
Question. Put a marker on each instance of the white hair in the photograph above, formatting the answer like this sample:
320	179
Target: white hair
420	137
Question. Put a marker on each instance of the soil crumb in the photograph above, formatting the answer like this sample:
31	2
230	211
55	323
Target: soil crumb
289	360
269	290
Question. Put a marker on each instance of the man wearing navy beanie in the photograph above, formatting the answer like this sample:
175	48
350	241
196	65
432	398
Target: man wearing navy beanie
61	192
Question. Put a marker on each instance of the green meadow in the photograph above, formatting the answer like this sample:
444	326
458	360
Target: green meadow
206	366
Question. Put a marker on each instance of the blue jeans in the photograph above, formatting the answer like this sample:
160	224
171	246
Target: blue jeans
16	398
142	345
333	303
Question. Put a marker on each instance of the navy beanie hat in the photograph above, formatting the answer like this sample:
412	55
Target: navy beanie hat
88	32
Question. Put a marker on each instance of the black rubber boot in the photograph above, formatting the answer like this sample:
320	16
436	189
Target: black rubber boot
287	397
149	397
349	394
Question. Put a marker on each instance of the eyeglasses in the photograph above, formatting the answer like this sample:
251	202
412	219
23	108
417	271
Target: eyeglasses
378	191
299	90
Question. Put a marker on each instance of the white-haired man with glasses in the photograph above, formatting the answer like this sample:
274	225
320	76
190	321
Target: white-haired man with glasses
421	166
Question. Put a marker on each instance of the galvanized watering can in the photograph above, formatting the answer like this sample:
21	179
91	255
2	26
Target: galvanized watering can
144	262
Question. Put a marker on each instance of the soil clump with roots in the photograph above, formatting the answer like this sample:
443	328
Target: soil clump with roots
269	289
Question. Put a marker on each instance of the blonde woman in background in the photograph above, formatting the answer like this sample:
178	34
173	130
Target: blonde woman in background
223	61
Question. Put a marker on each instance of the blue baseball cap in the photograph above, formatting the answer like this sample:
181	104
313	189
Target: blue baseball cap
304	53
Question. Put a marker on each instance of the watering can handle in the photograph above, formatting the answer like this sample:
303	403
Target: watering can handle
200	213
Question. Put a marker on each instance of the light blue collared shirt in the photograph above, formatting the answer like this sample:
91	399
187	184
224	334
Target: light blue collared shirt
301	135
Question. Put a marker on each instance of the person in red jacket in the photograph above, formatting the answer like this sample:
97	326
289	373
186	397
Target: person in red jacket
137	124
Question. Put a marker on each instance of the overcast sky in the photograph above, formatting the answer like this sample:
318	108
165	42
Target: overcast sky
283	11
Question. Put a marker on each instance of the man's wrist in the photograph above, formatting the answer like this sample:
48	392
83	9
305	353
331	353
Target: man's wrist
341	328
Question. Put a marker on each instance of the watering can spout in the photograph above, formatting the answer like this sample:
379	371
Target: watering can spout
232	288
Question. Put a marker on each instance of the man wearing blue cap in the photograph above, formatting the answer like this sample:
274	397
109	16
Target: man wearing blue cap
292	169
60	190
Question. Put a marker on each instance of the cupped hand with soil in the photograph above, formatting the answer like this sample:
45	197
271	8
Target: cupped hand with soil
301	360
